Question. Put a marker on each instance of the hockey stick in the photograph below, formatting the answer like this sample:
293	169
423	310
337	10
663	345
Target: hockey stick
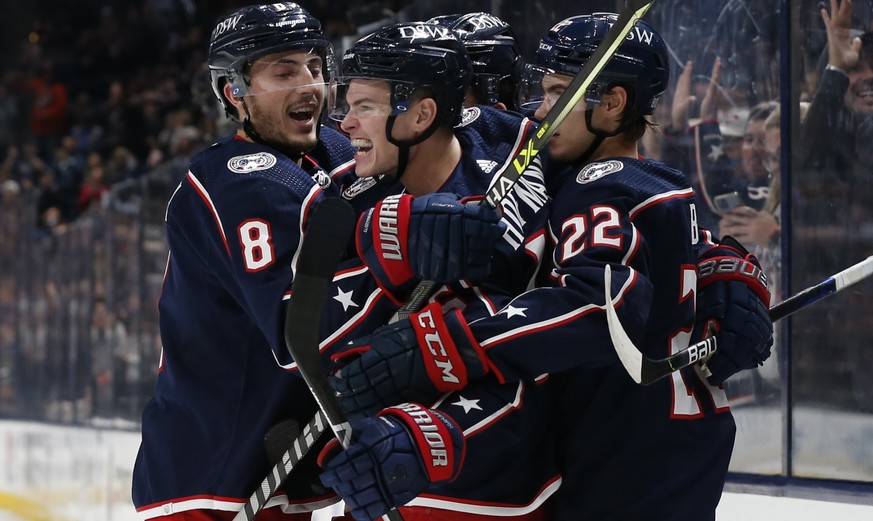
315	268
633	10
329	230
280	470
645	370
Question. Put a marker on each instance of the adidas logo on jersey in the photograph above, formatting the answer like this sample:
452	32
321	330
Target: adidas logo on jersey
485	165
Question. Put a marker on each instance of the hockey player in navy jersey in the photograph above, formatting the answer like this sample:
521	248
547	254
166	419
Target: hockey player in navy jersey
234	225
628	452
400	99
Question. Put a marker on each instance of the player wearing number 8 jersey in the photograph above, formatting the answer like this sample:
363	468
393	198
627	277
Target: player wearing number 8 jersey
234	225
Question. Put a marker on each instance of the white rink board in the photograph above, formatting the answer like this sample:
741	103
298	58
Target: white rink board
79	474
750	507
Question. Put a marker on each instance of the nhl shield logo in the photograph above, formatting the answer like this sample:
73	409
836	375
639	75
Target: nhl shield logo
595	171
321	178
251	162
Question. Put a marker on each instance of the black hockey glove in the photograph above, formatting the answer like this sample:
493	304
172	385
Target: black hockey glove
303	484
395	457
412	360
733	296
435	237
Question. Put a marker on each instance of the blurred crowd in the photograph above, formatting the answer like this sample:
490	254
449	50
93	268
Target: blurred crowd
102	92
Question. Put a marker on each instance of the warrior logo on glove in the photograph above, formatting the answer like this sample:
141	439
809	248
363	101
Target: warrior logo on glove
389	241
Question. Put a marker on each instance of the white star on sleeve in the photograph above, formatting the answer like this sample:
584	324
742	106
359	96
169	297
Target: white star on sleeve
715	152
468	405
512	311
344	298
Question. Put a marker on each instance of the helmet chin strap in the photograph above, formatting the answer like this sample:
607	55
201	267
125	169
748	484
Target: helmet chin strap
599	136
403	146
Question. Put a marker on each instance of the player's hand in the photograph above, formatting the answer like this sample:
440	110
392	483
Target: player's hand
416	359
733	295
396	456
451	240
431	237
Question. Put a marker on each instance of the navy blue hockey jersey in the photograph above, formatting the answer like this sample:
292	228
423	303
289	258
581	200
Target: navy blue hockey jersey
234	226
629	452
508	468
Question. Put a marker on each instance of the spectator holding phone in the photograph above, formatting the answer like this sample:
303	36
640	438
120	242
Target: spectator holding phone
721	147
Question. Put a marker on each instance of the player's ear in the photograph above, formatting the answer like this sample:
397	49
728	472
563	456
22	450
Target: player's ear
614	103
615	99
426	112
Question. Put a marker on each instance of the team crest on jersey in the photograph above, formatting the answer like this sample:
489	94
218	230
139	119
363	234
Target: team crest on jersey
469	115
595	171
358	187
251	162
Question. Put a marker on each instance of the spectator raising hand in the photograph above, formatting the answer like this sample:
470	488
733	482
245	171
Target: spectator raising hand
844	50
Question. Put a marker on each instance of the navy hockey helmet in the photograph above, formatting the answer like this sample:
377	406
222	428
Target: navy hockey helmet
640	62
498	63
409	56
248	33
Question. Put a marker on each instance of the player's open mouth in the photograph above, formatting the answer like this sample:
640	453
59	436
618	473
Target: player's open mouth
362	145
302	114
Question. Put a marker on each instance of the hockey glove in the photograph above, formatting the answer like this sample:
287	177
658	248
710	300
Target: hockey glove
396	456
304	483
417	359
733	296
432	237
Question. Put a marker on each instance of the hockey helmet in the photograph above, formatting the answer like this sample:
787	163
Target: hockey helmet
248	33
495	55
640	63
409	56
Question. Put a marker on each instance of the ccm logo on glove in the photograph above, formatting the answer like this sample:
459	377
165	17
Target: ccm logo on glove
444	366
